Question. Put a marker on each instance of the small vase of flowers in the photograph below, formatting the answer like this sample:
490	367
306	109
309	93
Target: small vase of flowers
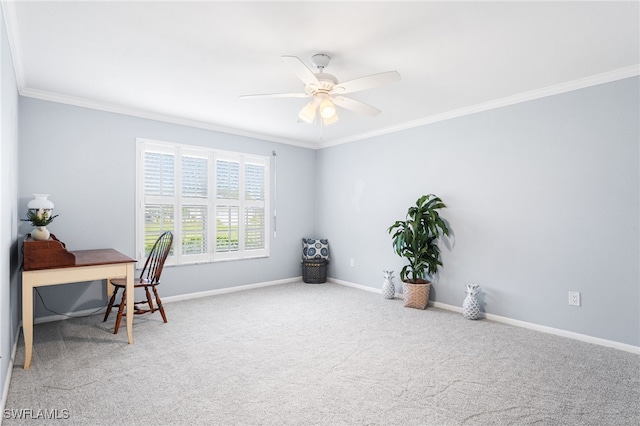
39	218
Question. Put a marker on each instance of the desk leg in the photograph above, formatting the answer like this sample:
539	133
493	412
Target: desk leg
27	320
109	290
130	302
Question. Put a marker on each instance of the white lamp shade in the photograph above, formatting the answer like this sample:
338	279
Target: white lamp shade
308	113
40	201
327	109
330	120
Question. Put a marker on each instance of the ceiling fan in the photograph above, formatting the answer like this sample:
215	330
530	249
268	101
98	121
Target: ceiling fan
327	92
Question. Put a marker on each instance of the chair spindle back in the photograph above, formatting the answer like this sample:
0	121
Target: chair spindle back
153	266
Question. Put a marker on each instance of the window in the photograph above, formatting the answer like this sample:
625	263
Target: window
214	202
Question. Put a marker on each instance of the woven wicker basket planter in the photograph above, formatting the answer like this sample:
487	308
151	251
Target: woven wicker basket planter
314	271
416	295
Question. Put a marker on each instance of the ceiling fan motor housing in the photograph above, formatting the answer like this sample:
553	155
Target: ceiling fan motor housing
320	60
326	81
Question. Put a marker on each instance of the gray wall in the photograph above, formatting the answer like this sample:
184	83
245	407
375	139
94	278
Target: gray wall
543	198
85	160
9	289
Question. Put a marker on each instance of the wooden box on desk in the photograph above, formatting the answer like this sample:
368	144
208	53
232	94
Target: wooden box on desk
50	253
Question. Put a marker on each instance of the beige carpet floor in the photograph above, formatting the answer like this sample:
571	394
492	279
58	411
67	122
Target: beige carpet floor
324	354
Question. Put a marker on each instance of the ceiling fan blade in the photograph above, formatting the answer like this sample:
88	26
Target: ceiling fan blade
301	70
367	82
308	112
277	95
356	106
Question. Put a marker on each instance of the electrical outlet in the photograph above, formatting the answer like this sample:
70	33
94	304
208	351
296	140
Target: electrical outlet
352	262
574	298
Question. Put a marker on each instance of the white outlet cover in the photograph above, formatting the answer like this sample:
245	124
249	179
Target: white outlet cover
574	298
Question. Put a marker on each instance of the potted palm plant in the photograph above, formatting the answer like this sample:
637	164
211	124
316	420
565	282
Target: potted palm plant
416	239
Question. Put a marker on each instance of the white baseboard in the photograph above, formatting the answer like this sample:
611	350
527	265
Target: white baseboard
68	315
7	381
497	318
199	294
491	317
167	299
358	286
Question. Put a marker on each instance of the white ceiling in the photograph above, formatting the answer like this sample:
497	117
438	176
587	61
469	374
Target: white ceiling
188	62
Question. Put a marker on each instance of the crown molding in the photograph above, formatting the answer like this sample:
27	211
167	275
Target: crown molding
11	24
134	112
570	86
607	77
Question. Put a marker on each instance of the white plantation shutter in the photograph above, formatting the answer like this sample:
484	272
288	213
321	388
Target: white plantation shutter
254	210
158	218
227	179
241	205
159	174
195	177
254	228
194	230
227	229
159	197
227	206
194	184
215	203
254	182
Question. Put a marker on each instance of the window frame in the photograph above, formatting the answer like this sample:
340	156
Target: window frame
178	200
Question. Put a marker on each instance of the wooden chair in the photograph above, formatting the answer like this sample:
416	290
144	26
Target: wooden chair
150	277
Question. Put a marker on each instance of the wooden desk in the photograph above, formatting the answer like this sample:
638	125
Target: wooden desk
89	265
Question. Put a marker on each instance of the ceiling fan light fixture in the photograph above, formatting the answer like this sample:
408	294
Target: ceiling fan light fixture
330	120
308	113
327	109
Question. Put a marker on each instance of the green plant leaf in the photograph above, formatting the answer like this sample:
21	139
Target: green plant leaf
416	238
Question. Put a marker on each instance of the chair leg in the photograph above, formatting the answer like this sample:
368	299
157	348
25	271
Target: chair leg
149	299
159	303
110	306
120	311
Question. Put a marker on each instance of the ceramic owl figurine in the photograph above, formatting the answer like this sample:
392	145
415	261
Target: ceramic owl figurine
470	306
388	289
